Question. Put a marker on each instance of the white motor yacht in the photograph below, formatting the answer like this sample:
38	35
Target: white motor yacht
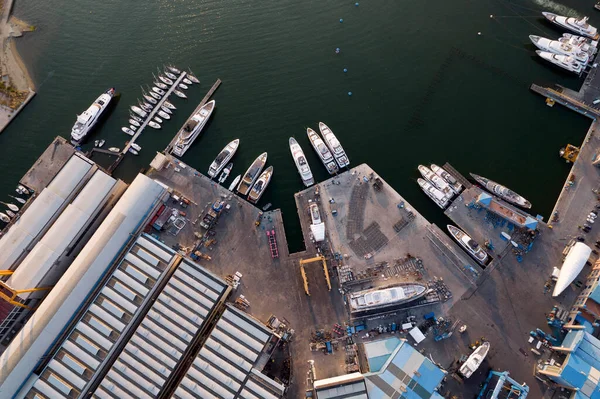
301	163
334	145
579	26
223	158
588	45
252	174
322	151
470	245
436	180
86	121
381	297
558	47
563	61
436	195
454	184
192	128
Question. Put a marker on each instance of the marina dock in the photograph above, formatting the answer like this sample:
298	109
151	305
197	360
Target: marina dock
48	164
208	95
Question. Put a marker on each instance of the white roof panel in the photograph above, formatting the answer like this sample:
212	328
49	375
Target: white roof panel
94	191
69	177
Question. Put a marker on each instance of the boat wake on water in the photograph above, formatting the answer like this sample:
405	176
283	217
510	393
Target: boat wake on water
558	8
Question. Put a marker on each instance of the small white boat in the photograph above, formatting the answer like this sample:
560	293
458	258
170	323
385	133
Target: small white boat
134	122
136	118
436	195
19	199
173	69
163	115
12	207
563	61
146	107
10	213
23	189
187	81
183	86
158	91
155	95
165	80
4	218
150	99
165	109
128	131
579	26
136	146
470	245
154	125
226	172
96	143
179	94
101	143
235	182
474	361
114	149
193	78
134	128
161	85
558	47
170	75
157	119
133	151
169	105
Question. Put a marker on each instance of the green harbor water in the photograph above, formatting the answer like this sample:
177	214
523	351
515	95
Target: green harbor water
426	87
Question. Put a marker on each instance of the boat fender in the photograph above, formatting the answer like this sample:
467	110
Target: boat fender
349	93
341	20
356	4
345	70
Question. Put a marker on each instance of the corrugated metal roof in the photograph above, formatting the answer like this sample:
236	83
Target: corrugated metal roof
62	303
223	367
169	327
41	210
67	227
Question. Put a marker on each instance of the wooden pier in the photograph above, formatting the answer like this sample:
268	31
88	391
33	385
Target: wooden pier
208	95
457	175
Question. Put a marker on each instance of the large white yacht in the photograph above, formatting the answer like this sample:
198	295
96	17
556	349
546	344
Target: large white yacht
579	26
558	47
563	61
252	174
501	191
87	119
301	163
322	151
192	128
224	156
334	145
436	180
441	172
588	45
395	295
436	195
469	244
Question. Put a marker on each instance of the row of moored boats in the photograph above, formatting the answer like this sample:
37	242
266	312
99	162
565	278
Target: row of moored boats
572	51
255	180
11	211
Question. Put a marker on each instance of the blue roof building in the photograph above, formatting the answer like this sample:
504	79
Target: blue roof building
396	370
580	370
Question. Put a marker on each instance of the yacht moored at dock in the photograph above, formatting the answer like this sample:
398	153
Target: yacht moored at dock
86	120
470	245
252	174
436	180
502	192
579	26
334	145
260	186
558	47
322	151
226	172
381	297
301	163
192	128
436	195
235	182
224	156
454	184
563	61
588	45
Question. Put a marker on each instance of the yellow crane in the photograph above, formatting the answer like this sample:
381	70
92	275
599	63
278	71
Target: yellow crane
317	258
10	295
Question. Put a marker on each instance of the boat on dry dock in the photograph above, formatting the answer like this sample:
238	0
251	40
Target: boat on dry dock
252	174
436	195
454	184
579	26
469	244
474	361
322	151
301	163
381	297
436	180
192	128
502	192
258	189
224	156
334	145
